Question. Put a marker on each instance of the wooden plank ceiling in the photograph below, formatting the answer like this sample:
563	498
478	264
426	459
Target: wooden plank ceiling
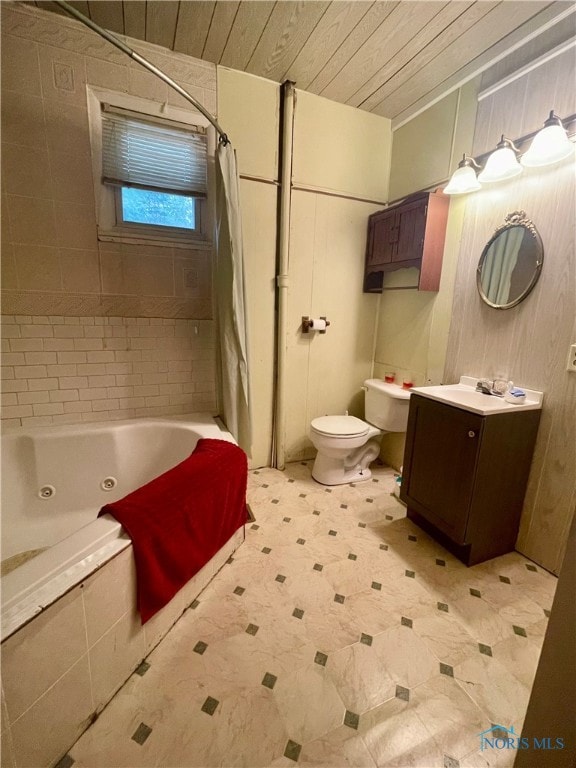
385	57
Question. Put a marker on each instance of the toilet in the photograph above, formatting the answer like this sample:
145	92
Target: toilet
347	445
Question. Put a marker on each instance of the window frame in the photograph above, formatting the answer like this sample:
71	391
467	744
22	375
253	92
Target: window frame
111	227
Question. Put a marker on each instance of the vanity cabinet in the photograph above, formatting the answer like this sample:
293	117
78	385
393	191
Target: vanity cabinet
465	475
410	234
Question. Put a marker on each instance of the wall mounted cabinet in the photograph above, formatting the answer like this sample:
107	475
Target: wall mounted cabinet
465	475
410	234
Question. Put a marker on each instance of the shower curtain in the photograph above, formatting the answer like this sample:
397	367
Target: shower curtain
230	299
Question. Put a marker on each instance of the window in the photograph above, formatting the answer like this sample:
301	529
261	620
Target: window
155	170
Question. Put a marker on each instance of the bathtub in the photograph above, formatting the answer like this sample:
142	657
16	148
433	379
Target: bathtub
76	598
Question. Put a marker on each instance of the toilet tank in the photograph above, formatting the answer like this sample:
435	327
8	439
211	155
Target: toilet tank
386	405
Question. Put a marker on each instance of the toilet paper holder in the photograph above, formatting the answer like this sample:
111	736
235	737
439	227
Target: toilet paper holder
308	324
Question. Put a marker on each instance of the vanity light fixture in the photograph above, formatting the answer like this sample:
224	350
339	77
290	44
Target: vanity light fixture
550	145
502	164
464	178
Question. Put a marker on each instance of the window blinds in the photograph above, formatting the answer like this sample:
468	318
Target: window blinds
151	155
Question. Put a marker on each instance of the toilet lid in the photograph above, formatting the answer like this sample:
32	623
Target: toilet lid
340	426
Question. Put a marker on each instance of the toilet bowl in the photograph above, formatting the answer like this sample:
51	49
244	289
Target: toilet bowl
347	445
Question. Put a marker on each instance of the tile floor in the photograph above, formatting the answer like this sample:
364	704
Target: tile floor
339	635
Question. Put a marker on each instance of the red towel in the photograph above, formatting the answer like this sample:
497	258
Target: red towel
178	521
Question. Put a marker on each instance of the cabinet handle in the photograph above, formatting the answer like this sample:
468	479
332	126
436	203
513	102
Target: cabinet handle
471	433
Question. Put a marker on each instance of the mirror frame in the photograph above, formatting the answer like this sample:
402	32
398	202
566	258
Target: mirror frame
514	219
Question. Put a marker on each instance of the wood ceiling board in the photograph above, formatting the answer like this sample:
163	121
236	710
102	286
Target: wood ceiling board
108	14
135	19
373	18
222	21
552	15
289	26
406	64
161	18
328	35
489	31
192	28
247	29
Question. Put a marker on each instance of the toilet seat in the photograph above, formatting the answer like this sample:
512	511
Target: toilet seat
340	426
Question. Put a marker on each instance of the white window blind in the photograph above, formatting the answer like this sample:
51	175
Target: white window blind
152	154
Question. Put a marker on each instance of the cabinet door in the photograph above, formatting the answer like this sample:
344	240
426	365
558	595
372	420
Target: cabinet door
442	446
383	236
411	230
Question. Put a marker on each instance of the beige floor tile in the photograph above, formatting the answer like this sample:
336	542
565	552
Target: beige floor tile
360	678
445	637
405	656
518	655
342	747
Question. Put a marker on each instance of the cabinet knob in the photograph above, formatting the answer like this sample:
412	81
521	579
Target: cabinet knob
471	433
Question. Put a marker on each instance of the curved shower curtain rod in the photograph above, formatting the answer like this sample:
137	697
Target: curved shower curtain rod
223	138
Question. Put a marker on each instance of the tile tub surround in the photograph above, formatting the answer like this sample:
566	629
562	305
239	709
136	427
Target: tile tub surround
338	634
60	670
65	370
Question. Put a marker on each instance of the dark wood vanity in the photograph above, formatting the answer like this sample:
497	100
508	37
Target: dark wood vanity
465	475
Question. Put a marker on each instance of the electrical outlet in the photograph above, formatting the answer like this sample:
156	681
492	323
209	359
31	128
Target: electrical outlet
571	364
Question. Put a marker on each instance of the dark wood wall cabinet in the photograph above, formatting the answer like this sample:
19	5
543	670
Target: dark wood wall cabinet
410	234
465	476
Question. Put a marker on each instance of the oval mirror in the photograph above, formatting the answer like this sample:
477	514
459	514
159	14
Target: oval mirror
510	263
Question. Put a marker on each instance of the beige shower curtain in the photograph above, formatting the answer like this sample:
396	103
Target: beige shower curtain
230	300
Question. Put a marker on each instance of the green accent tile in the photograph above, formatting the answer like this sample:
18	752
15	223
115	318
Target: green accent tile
269	680
410	574
352	720
440	562
291	480
302	495
389	517
230	560
339	598
301	541
266	550
519	631
141	733
451	762
320	658
65	762
210	705
328	490
504	579
194	604
298	613
384	547
376	585
303	463
318	567
292	750
402	693
200	647
366	639
406	622
280	578
343	506
332	533
374	479
531	567
254	527
142	668
275	501
546	612
239	591
412	538
475	593
352	556
256	472
485	649
361	525
316	512
442	607
251	629
369	500
286	519
446	669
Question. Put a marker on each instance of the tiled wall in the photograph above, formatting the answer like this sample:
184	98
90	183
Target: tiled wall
62	370
94	640
90	326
